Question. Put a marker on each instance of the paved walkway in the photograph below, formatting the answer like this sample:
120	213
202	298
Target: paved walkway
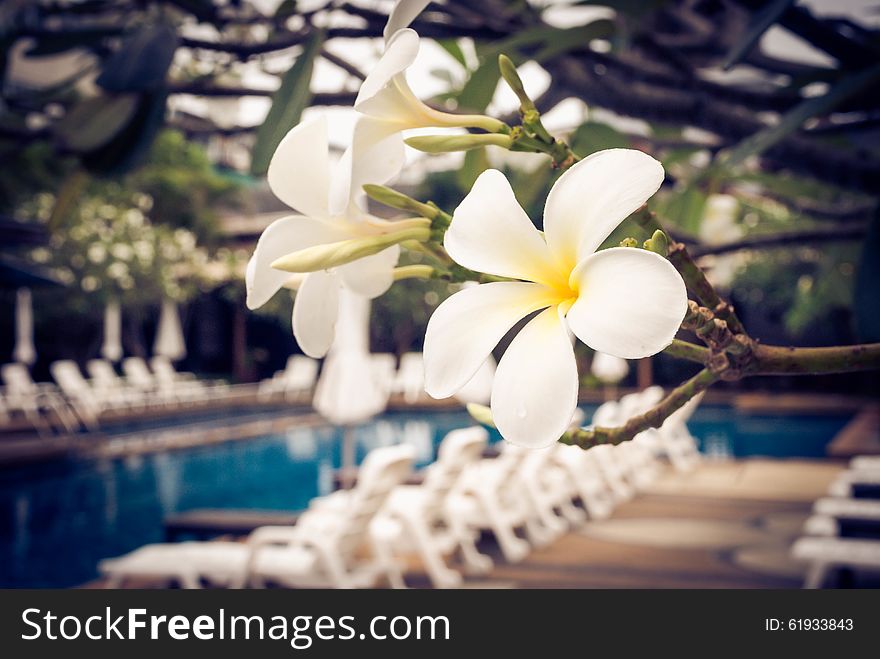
726	525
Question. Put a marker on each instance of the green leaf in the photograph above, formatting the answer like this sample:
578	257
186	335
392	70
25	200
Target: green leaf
288	103
452	47
792	120
558	41
761	22
475	163
92	123
592	136
142	62
285	10
867	311
478	91
531	188
685	209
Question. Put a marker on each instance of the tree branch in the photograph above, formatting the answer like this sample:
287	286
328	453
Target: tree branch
777	360
653	418
846	233
765	360
689	351
197	89
346	66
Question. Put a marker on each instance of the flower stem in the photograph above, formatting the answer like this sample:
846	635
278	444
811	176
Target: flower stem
688	351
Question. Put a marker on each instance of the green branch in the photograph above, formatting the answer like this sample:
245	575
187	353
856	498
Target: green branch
653	418
688	351
778	360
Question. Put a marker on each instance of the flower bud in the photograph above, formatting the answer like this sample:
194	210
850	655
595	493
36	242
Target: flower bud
658	243
481	414
628	242
330	255
511	77
395	199
446	143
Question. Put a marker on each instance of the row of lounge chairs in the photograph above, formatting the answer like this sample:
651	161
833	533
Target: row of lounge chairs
74	401
296	382
358	537
843	533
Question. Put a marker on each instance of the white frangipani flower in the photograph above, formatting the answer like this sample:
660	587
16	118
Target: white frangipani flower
624	301
300	175
385	94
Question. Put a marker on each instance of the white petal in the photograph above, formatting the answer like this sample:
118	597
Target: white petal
536	385
376	155
404	13
400	53
465	327
631	302
289	234
372	275
385	93
491	233
588	202
315	309
299	172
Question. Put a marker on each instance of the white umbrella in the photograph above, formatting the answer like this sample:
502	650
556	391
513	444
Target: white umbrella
347	392
112	347
24	350
608	368
169	334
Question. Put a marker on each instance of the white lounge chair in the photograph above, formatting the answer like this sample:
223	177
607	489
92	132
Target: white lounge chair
384	366
185	385
830	513
40	403
79	392
847	482
491	495
825	554
138	374
593	492
865	463
296	382
414	518
677	442
549	488
323	549
108	384
410	378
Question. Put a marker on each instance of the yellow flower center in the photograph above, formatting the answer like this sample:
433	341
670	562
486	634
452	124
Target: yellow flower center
564	292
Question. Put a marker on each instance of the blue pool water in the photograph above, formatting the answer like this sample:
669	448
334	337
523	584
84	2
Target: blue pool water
58	519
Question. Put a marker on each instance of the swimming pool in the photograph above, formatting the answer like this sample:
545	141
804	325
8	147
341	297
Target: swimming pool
58	519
